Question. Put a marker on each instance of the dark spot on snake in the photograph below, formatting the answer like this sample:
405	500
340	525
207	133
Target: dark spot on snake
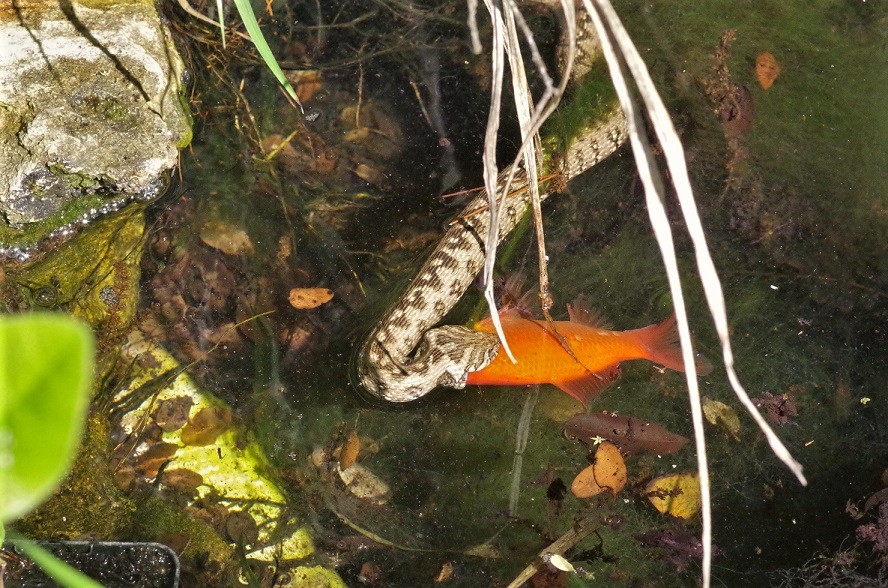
471	232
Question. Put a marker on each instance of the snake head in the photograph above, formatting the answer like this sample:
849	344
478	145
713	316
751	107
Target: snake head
452	351
444	357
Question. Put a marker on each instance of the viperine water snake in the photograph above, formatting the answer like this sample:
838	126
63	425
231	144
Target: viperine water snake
404	358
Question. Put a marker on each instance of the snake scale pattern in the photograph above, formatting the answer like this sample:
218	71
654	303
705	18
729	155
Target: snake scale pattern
404	357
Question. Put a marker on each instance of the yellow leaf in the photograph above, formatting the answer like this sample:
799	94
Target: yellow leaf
306	298
719	413
675	494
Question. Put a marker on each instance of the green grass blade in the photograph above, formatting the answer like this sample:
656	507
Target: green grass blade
252	25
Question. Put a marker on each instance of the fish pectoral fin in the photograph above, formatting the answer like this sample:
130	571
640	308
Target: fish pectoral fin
581	312
583	389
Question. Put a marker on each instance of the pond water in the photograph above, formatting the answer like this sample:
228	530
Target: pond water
790	181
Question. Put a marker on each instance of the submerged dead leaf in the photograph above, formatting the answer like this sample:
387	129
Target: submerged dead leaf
608	473
348	455
719	413
150	462
172	413
766	69
226	238
677	495
446	572
205	426
183	480
307	83
364	484
307	298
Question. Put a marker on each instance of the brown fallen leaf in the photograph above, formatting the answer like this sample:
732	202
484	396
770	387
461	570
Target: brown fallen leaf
307	298
766	69
227	239
608	473
631	435
348	455
150	462
203	428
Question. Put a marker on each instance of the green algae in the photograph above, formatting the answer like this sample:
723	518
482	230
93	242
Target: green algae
88	503
94	276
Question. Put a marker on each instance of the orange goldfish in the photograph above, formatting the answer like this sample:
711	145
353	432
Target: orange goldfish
580	356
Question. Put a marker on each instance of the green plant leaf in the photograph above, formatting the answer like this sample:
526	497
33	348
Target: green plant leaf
245	10
46	363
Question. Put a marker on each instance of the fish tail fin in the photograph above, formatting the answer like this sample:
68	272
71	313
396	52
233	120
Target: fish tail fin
662	345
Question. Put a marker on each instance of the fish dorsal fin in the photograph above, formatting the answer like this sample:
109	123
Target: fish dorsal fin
583	389
514	300
580	312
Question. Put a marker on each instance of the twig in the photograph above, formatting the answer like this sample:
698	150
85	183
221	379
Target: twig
507	20
360	96
577	533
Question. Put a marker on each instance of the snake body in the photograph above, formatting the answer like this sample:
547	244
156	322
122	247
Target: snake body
404	358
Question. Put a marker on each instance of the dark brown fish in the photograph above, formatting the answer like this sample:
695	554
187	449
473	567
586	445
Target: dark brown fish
629	434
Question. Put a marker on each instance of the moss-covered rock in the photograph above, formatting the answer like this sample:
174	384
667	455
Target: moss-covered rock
93	124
